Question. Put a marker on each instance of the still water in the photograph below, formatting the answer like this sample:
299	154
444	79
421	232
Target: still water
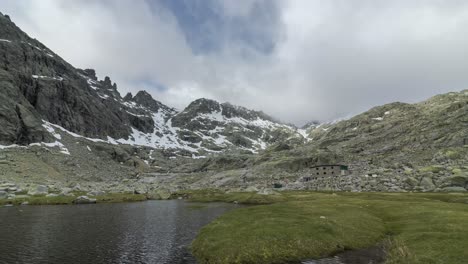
144	232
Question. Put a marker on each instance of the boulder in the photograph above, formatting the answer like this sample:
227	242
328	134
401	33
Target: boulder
96	193
266	191
84	200
3	195
52	195
66	191
77	188
8	187
251	189
39	190
427	184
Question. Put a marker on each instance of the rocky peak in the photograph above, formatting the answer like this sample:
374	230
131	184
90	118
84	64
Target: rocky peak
91	73
143	96
311	124
203	105
9	31
231	111
145	99
128	97
107	83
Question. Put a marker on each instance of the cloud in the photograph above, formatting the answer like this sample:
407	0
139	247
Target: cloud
297	60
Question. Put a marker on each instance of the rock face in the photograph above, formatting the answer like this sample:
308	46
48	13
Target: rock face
39	190
37	84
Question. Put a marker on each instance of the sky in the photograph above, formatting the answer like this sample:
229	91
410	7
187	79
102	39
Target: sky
296	60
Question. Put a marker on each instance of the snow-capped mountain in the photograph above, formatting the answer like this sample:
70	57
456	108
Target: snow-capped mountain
41	92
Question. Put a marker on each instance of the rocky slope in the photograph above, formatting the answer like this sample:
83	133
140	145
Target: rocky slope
41	93
394	147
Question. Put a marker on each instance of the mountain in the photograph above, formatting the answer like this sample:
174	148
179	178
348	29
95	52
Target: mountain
394	147
41	92
64	127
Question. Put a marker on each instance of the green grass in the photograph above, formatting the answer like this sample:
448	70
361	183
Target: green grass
416	228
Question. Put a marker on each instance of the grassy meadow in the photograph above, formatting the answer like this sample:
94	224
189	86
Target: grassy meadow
292	226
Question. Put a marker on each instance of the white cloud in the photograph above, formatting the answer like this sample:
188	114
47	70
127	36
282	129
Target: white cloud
331	58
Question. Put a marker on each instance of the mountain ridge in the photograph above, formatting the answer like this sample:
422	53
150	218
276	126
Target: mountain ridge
48	88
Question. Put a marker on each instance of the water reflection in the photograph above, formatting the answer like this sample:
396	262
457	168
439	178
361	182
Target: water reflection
147	232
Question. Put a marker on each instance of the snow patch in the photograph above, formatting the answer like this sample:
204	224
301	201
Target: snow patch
135	114
50	129
55	144
303	133
11	146
47	77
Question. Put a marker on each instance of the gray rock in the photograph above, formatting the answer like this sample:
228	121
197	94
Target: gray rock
266	191
84	200
77	188
8	185
52	195
427	184
66	191
251	189
3	195
96	193
39	190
